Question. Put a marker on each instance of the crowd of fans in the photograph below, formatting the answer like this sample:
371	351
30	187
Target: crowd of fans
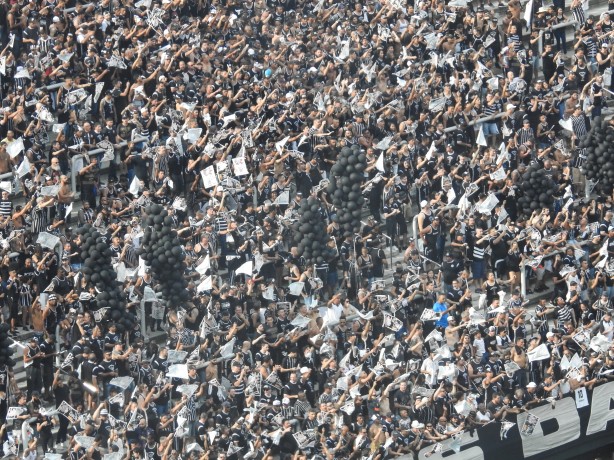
230	114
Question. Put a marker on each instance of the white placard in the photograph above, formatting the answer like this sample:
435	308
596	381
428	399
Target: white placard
176	356
488	204
47	240
581	397
239	167
121	382
50	190
15	147
296	288
178	371
193	134
209	177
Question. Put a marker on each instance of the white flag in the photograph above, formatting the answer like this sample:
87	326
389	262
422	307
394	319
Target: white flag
206	285
178	371
204	266
279	146
380	163
246	269
227	350
566	124
538	353
135	186
481	140
528	13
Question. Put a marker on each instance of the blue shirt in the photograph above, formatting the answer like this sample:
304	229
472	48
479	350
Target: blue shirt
439	308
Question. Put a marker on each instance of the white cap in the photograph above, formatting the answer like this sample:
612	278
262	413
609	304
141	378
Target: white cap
285	401
532	385
510	106
549	334
277	402
423	203
304	370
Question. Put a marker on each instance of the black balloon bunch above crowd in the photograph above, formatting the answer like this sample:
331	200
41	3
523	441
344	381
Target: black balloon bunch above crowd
6	351
536	191
161	250
599	151
99	272
310	232
347	176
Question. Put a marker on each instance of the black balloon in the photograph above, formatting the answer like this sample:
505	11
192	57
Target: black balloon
311	230
599	156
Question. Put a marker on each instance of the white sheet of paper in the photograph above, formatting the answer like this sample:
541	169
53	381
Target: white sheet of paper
51	190
209	177
296	288
47	240
15	147
178	371
239	167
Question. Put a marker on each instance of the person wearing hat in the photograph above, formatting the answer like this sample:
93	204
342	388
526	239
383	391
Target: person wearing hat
106	370
104	427
425	217
223	417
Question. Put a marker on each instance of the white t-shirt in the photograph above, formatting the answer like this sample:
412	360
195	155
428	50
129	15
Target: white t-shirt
431	366
482	417
480	348
608	327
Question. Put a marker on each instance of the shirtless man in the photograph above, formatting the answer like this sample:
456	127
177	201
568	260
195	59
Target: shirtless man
5	160
519	356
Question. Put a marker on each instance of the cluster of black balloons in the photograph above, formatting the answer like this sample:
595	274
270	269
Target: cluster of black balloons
537	190
5	346
99	272
347	176
310	232
599	151
161	250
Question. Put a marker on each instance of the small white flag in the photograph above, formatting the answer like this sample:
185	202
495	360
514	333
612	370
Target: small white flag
481	140
246	269
135	186
380	163
206	285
